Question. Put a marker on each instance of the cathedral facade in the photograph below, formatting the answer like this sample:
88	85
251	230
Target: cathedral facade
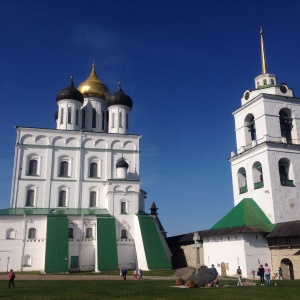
76	198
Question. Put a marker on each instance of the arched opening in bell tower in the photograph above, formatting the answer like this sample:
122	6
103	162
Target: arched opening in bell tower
242	181
286	121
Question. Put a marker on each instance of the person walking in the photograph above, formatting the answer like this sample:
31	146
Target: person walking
11	278
261	274
140	274
253	274
280	273
239	273
267	274
124	273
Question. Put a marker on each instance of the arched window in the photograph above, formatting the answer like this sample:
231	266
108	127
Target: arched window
33	166
242	181
10	234
30	198
32	233
286	124
27	261
285	172
93	169
265	81
123	208
69	115
93	197
71	233
83	118
89	233
64	168
62	201
257	175
94	118
123	234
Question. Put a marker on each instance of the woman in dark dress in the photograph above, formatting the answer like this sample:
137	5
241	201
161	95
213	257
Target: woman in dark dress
261	274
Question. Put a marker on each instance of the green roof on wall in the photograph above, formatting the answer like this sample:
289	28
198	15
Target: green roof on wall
54	211
246	213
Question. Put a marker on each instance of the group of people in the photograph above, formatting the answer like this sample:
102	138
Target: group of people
138	273
264	272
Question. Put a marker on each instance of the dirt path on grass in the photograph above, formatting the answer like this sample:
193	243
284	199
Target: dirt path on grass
183	272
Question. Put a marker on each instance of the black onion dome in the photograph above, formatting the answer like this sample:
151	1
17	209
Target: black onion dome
70	92
119	98
122	163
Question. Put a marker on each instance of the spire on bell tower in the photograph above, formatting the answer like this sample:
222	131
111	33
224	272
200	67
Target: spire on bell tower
263	54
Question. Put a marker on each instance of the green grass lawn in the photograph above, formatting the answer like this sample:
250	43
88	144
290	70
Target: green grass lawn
142	289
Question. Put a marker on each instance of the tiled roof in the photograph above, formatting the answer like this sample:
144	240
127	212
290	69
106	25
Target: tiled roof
246	213
53	211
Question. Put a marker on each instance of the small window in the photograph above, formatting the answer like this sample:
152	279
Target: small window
64	168
76	116
69	115
30	198
123	234
62	201
127	121
94	118
83	119
89	233
10	234
33	165
120	119
103	119
32	233
93	169
61	116
123	208
93	196
71	233
265	81
272	81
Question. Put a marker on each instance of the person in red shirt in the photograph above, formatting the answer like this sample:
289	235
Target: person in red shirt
11	278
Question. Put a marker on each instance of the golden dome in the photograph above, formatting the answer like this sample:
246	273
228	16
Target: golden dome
93	87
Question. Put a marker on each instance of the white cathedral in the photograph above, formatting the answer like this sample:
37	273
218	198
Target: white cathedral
76	198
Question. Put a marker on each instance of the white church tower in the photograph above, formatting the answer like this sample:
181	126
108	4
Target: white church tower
266	165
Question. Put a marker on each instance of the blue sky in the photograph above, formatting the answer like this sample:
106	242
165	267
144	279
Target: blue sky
185	64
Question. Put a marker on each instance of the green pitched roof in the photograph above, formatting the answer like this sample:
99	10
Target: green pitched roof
53	211
246	213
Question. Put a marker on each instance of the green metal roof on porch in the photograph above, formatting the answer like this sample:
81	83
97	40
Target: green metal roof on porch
246	213
54	211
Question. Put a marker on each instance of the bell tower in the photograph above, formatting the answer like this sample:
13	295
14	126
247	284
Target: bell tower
265	166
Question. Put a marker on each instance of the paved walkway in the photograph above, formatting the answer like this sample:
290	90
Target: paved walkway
182	272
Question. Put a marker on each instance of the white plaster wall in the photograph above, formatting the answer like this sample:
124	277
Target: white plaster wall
16	249
139	246
232	253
